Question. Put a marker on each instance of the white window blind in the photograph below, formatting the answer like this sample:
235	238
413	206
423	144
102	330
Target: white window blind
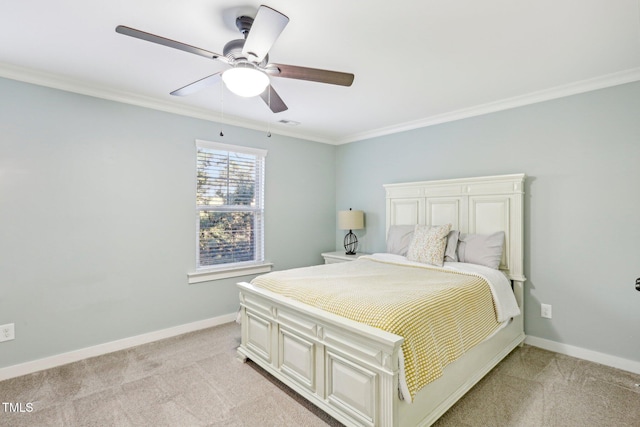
230	205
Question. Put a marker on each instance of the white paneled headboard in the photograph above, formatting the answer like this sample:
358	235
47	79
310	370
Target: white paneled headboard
472	205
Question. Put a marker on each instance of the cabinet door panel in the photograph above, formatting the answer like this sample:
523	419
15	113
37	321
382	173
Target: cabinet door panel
297	358
259	336
351	388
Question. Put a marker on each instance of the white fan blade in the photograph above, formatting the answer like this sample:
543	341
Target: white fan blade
265	30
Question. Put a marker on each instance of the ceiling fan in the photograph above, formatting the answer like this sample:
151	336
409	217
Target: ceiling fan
249	72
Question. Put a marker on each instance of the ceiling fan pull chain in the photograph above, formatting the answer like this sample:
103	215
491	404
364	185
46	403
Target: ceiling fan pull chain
221	108
269	105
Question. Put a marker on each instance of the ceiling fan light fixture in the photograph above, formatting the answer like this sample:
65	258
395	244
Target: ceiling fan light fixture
245	80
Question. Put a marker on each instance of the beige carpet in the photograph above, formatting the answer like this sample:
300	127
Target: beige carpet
196	380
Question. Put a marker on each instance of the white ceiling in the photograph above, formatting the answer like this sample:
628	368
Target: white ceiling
415	62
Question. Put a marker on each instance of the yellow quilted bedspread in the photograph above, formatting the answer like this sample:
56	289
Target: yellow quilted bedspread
439	313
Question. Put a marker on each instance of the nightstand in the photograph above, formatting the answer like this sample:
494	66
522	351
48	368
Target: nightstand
340	256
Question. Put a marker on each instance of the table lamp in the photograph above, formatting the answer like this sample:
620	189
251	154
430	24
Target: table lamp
350	220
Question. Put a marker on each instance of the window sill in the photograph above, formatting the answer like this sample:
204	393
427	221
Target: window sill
228	272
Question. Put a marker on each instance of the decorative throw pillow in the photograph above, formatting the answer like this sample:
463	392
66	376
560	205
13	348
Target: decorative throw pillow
482	249
428	244
399	238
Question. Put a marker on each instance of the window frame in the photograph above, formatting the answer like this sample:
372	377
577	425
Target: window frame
233	269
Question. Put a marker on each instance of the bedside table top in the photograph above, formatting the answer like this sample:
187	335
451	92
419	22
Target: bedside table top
341	255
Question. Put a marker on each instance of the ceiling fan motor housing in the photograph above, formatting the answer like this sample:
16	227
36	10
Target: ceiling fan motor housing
233	52
233	49
244	24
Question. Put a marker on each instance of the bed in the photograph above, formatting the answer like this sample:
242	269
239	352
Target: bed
355	372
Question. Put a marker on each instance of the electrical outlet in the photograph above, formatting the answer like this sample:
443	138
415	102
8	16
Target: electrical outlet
7	332
545	311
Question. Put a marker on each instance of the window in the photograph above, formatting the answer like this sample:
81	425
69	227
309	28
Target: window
230	211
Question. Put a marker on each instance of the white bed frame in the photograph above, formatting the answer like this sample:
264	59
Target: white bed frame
350	370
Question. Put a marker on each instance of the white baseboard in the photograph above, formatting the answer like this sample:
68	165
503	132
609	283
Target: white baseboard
583	353
109	347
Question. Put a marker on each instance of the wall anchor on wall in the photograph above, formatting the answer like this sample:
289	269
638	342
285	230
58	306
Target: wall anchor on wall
638	284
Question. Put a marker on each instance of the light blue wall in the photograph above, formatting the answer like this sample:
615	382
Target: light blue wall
97	218
582	213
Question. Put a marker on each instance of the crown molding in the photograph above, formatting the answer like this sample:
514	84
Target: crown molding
575	88
67	84
73	85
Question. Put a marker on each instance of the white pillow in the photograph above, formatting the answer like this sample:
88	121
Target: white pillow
482	249
428	244
452	246
399	238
